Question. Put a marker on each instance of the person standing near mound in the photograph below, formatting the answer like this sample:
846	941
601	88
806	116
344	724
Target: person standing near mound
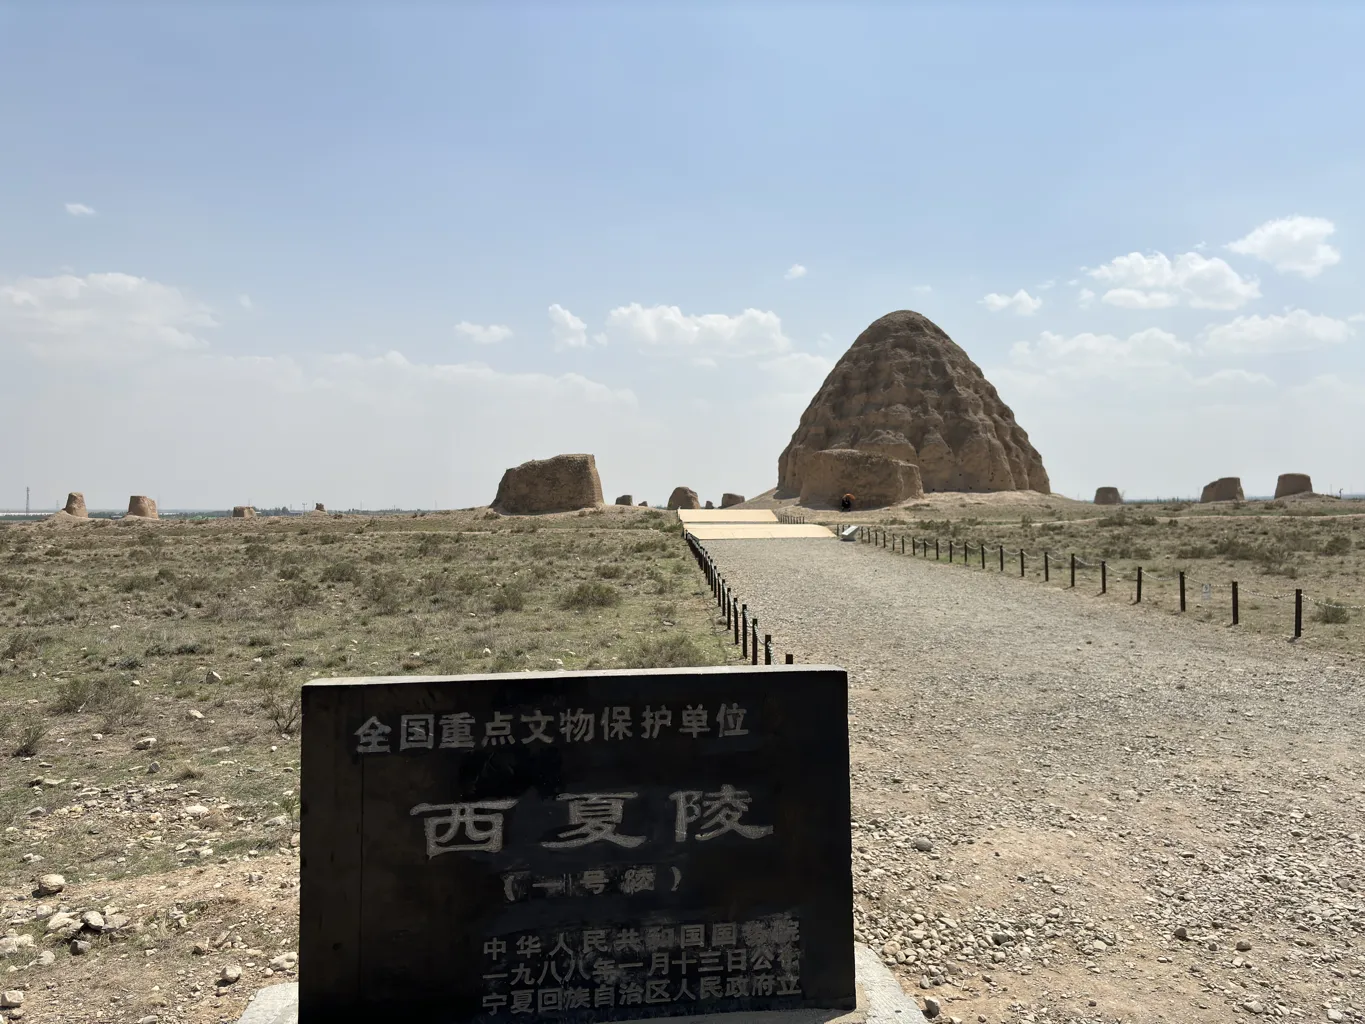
846	503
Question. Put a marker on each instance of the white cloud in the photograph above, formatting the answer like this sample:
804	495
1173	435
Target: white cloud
1292	245
79	210
569	331
795	271
485	334
922	289
1020	302
706	335
102	316
1233	380
800	373
1135	298
1100	355
245	302
1136	281
1085	298
1294	331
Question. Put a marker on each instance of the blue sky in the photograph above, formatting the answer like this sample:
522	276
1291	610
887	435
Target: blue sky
376	255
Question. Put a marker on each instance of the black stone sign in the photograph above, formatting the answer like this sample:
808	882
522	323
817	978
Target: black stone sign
575	846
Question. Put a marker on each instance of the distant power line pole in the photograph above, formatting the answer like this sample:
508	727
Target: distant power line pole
25	501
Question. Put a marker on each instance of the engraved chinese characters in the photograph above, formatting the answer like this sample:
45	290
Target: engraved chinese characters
462	731
593	817
685	967
576	846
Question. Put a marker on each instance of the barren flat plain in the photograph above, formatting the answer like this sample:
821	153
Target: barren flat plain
149	680
1068	807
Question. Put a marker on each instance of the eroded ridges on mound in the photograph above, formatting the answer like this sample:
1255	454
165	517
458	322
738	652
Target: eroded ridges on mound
907	390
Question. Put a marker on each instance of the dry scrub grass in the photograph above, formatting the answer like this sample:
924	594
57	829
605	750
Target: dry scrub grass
199	634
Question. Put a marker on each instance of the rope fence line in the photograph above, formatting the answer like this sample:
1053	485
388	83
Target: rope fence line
919	547
740	622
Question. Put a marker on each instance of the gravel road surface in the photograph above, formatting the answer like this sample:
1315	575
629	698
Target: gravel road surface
1069	808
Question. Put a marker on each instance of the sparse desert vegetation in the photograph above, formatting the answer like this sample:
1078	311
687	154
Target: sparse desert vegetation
149	681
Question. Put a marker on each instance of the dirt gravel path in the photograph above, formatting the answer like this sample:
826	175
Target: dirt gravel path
1128	816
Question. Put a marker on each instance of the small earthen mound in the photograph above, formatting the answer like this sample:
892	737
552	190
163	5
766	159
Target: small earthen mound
142	506
727	499
64	518
1108	496
683	497
873	479
319	507
709	505
75	505
243	512
1293	483
644	504
625	499
564	483
1228	488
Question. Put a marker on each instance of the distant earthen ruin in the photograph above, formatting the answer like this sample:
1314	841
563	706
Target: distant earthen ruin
1227	488
683	497
625	499
243	512
75	505
1108	496
564	483
1293	483
142	507
727	499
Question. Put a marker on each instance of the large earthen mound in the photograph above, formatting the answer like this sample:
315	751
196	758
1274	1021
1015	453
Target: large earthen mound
564	483
874	479
75	505
1108	496
1228	488
1293	483
140	505
243	512
907	390
727	499
683	497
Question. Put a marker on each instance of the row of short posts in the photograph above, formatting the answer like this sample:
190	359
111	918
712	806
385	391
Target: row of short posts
921	547
737	618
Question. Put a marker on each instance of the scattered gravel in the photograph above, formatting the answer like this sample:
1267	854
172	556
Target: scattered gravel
1095	782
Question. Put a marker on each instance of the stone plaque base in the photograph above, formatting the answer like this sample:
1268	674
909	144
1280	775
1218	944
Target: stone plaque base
881	1000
